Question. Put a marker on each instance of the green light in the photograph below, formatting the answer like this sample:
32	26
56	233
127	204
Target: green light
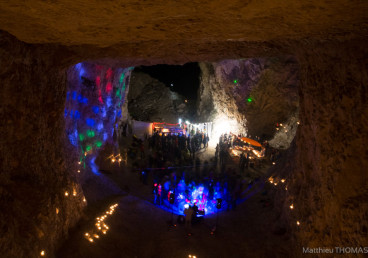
124	86
98	144
249	100
121	78
81	137
88	148
235	81
90	133
118	93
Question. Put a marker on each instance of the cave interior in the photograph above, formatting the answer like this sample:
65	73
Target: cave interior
74	73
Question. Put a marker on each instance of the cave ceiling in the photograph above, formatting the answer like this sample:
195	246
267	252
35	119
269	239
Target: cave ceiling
186	31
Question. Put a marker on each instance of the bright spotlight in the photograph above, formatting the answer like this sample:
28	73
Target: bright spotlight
179	120
187	122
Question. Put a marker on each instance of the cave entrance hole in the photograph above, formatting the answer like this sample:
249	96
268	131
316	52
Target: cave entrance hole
245	97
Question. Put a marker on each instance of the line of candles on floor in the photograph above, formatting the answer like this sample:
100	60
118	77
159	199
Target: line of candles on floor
101	226
275	181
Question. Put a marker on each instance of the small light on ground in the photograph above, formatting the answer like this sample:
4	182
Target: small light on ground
43	253
298	223
66	194
291	206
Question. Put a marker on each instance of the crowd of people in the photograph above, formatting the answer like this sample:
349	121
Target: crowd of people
181	181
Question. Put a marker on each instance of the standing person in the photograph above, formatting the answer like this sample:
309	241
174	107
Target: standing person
159	194
188	212
155	192
142	150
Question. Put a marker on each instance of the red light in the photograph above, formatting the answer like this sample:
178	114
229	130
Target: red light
108	73
108	87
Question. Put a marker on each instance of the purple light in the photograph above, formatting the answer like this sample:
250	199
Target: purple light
100	126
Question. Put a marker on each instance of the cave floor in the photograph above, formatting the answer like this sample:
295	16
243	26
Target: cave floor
139	228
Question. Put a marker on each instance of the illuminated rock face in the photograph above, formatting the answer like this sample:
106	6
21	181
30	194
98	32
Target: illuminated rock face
217	105
93	109
250	95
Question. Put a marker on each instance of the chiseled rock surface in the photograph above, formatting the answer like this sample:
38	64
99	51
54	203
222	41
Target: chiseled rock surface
330	183
37	167
326	167
97	23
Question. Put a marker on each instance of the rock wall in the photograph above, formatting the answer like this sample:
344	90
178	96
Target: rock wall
326	169
331	183
40	198
150	100
93	109
285	132
255	93
216	104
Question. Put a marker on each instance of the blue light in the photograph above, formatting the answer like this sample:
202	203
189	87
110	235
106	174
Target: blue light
74	95
76	114
65	112
90	122
119	114
198	194
103	110
93	166
105	137
80	98
95	109
73	138
80	68
108	102
85	100
100	126
81	72
114	117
